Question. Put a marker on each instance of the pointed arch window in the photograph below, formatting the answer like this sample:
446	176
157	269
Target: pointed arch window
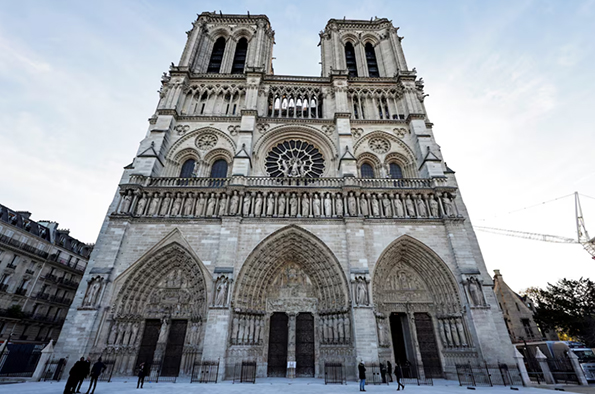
350	60
371	60
367	171
187	168
239	59
395	171
219	169
217	56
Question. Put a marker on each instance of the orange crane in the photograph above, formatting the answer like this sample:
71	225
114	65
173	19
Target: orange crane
582	234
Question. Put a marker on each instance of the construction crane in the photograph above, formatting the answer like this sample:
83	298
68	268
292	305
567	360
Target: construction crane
582	234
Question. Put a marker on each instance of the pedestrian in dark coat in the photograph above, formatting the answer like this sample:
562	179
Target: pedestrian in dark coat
399	375
142	372
74	376
97	369
84	372
362	376
383	372
389	370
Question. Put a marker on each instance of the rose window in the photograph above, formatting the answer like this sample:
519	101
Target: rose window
295	159
379	145
206	141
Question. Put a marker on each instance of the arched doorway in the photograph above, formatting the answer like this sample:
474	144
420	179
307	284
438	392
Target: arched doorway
291	304
158	314
419	312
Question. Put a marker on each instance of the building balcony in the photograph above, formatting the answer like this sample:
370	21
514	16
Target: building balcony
42	296
11	266
30	272
4	288
407	198
21	291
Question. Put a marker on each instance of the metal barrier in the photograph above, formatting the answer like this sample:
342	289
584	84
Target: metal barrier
106	376
21	360
156	376
373	375
205	372
488	375
562	370
245	372
53	370
333	373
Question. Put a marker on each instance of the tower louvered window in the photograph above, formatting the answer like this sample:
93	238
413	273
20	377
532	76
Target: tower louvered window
350	60
217	56
371	60
239	59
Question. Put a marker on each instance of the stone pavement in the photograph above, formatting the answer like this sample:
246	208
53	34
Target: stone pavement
262	386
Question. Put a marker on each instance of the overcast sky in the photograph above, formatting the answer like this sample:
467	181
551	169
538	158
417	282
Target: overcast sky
511	85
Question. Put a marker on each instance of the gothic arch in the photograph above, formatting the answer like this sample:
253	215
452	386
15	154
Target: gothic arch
187	141
291	245
370	38
305	133
171	271
409	272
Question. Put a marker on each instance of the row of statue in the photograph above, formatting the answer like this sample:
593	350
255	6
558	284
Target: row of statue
288	204
124	333
247	329
452	332
335	329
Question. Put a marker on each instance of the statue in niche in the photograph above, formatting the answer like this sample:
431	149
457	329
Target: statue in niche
361	291
211	205
293	205
194	333
341	329
163	330
351	203
175	209
363	205
375	207
134	337
281	205
154	205
188	205
113	334
222	204
142	203
347	329
328	205
270	204
475	291
247	202
421	207
316	206
235	330
410	208
258	205
399	211
221	293
165	205
93	290
448	207
305	205
339	204
233	203
126	202
387	205
200	205
434	209
381	332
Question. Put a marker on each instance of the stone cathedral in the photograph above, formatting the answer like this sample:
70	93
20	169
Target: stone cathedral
285	219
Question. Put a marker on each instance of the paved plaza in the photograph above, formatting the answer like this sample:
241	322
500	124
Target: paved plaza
263	386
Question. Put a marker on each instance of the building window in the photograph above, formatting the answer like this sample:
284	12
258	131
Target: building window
371	60
350	60
187	168
239	58
367	171
219	169
395	171
217	56
527	327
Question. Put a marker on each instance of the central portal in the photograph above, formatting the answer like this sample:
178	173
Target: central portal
277	360
304	345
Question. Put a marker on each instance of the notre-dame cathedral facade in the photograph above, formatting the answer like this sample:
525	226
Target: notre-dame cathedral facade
286	219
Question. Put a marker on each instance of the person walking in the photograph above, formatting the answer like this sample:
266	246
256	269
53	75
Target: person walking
361	368
399	376
142	372
97	369
74	376
84	372
383	372
389	370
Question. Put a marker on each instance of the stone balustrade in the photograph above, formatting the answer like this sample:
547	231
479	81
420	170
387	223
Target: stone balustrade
288	197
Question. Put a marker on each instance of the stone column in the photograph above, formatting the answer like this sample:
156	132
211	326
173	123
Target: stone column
291	334
518	357
580	374
161	345
46	354
413	331
545	368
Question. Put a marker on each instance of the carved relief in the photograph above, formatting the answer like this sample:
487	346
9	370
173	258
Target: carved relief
93	292
206	141
379	145
475	292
